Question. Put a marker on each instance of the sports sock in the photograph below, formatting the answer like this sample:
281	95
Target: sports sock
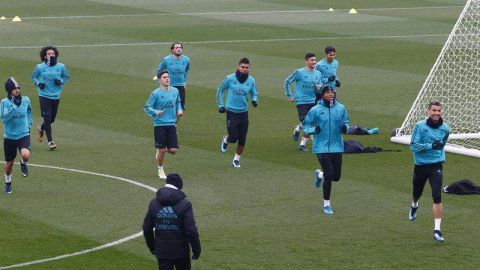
160	167
225	139
237	157
437	224
22	161
326	203
304	141
414	204
8	178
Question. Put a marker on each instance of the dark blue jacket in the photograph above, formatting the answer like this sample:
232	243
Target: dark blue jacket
171	215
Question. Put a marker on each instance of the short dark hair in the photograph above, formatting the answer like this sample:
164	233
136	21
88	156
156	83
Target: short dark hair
309	55
161	72
175	43
434	103
329	49
43	52
244	60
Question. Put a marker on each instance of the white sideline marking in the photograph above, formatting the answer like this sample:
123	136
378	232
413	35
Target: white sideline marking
111	244
223	41
229	13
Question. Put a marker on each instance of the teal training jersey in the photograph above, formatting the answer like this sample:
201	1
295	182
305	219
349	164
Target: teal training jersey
305	82
47	74
328	69
330	119
17	120
237	93
423	137
177	69
167	101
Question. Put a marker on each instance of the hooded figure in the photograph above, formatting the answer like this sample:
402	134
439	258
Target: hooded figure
171	214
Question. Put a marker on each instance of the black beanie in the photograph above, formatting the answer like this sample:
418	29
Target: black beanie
11	85
325	88
175	179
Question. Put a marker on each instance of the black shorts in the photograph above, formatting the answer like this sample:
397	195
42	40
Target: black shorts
10	147
303	109
237	127
434	174
165	137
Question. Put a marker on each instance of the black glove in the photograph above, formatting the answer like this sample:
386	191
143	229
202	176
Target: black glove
331	78
437	145
317	129
57	81
41	85
254	103
337	83
344	128
221	110
195	256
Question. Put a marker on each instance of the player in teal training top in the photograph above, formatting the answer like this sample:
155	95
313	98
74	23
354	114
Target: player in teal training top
177	64
165	108
328	66
428	140
16	115
238	86
307	84
49	78
326	122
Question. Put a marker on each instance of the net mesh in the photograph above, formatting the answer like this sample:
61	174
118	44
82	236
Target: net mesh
455	81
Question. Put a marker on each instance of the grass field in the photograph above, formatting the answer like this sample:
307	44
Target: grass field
266	215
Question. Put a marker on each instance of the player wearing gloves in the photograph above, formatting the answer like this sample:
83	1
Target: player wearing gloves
49	78
328	67
326	122
238	86
16	114
428	140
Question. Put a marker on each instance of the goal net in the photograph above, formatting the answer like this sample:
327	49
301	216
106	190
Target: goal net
454	80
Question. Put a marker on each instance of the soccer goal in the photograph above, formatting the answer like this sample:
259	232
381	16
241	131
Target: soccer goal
454	80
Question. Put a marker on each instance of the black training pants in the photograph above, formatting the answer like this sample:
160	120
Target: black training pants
48	109
332	169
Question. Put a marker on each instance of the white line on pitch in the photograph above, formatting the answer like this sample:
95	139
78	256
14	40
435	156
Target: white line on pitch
111	244
230	13
224	41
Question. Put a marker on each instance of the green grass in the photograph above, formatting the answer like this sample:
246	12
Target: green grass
267	215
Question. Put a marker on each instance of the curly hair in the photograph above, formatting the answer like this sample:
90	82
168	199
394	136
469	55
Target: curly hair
43	52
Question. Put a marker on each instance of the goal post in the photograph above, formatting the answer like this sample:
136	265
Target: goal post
454	80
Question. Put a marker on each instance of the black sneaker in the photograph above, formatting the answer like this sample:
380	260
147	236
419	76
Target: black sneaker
412	215
296	135
438	236
24	168
236	163
223	145
302	148
8	188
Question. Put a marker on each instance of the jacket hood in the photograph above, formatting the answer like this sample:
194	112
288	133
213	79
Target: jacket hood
169	196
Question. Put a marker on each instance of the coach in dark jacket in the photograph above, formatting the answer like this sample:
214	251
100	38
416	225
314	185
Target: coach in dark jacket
169	227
